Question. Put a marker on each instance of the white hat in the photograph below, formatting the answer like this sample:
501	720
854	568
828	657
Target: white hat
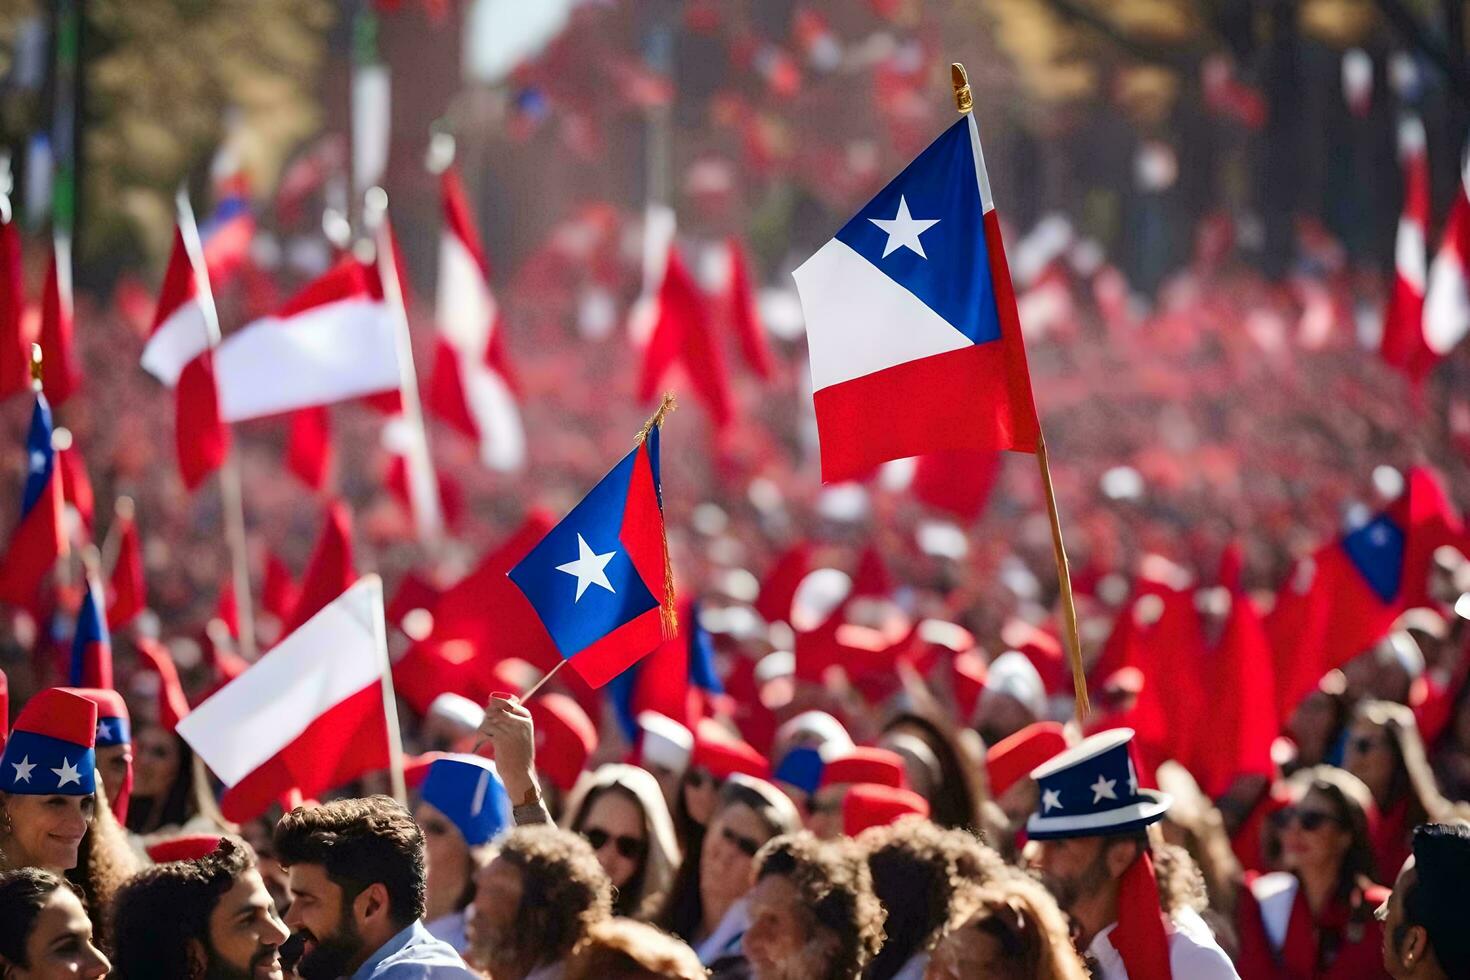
818	725
665	742
1013	673
457	708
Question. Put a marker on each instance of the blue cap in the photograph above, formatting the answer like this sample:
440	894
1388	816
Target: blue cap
467	790
801	767
1091	790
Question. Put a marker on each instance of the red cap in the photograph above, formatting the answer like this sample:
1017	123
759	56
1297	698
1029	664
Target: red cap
188	848
61	715
565	738
969	680
725	757
109	703
173	706
865	765
867	805
4	708
1013	757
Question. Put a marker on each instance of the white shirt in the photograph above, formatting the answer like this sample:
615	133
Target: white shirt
1193	952
725	940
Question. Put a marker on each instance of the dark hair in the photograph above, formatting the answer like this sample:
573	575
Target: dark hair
360	842
1412	776
1354	805
156	913
956	799
105	862
833	884
22	893
917	870
563	891
1439	896
174	808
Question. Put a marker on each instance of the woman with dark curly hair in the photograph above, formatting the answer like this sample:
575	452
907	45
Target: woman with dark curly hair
813	914
1316	918
44	931
535	902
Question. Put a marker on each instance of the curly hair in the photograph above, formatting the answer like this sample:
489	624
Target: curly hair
156	913
918	868
22	894
625	947
360	842
836	887
105	862
563	892
1027	925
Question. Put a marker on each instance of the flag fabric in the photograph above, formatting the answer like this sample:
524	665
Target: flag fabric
1447	297
225	236
178	353
683	334
599	580
329	572
129	590
15	346
63	376
676	679
743	314
472	386
1242	711
958	483
911	321
309	715
1404	346
280	592
76	486
91	644
38	539
309	446
778	588
335	340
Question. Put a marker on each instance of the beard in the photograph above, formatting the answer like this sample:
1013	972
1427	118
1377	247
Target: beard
219	969
330	957
814	959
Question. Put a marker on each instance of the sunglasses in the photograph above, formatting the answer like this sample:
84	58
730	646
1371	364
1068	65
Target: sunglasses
628	847
698	777
1308	820
1364	744
748	846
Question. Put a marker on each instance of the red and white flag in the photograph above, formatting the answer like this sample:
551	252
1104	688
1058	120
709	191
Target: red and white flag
310	715
472	386
335	340
1404	345
1447	300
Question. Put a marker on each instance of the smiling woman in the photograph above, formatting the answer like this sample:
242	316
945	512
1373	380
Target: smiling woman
44	931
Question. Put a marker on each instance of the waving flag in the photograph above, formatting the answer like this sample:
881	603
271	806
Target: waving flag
178	354
911	320
1447	297
472	388
1404	346
91	644
227	233
15	348
600	580
674	680
63	376
129	590
684	334
38	539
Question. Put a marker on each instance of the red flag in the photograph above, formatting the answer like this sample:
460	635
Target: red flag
76	486
683	334
202	438
280	595
1242	711
779	586
746	320
15	346
172	705
957	482
871	578
62	376
451	496
1447	297
226	610
330	571
128	588
37	539
309	446
1404	346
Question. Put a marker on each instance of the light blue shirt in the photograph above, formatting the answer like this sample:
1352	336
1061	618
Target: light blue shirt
413	954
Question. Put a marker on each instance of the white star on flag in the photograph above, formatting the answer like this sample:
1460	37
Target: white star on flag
67	774
904	230
1103	789
1051	800
23	769
104	730
589	568
38	461
1378	535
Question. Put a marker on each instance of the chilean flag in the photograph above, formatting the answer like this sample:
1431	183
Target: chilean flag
911	321
226	234
675	680
178	354
472	387
91	644
1447	297
38	539
599	580
1404	346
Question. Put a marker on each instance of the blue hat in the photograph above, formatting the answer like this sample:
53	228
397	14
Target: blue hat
50	751
467	790
801	767
1091	790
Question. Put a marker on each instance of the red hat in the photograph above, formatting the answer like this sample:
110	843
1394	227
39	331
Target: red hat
969	681
725	757
51	748
190	847
110	709
173	706
4	707
867	805
565	738
865	765
1010	759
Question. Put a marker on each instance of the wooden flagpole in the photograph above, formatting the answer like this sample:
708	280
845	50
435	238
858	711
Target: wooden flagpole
232	495
390	699
965	104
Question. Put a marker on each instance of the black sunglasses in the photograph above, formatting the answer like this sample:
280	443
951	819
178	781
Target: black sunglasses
747	845
1308	820
698	777
628	847
1364	744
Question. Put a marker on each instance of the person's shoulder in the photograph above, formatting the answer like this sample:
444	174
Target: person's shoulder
1199	957
424	958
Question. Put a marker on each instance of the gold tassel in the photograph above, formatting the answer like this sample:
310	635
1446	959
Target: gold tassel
668	615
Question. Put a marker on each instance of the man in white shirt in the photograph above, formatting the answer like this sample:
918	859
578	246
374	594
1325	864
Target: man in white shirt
1095	856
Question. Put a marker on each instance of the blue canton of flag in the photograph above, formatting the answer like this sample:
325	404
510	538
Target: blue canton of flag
40	457
1377	551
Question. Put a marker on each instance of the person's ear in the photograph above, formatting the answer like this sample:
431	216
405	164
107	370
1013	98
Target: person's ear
372	902
1415	946
197	958
1120	856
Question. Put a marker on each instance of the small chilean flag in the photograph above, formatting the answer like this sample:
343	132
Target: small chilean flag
1404	346
600	580
1447	297
178	354
91	644
38	539
911	321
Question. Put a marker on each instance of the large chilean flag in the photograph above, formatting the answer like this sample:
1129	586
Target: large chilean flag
911	320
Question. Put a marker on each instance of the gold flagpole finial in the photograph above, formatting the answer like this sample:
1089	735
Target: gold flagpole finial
963	101
36	366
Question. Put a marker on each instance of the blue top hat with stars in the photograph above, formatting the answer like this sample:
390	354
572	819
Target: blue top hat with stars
1091	790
